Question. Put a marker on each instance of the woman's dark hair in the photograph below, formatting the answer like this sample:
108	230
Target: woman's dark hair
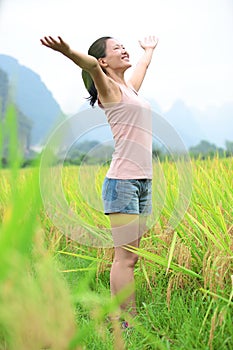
97	49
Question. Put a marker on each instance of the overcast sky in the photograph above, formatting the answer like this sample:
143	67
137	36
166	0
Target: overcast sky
193	60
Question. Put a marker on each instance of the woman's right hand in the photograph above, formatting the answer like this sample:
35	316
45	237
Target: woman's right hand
60	45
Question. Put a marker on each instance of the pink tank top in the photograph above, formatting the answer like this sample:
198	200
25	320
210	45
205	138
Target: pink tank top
131	125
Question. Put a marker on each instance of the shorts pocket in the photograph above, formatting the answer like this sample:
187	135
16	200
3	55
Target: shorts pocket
105	188
109	189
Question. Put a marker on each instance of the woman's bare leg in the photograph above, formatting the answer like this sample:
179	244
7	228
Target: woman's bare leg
127	229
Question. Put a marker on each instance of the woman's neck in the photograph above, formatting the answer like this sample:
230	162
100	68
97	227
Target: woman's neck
118	77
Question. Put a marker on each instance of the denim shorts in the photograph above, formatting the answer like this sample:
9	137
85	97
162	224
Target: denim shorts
133	196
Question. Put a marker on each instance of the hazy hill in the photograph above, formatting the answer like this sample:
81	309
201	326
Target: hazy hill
24	125
184	122
32	97
216	123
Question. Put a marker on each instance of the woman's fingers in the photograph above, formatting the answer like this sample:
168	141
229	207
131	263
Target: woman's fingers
44	41
61	41
149	41
49	41
55	44
53	40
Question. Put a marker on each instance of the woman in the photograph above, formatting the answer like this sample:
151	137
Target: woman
127	187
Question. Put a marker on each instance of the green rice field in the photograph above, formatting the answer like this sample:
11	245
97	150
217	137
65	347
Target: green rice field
56	255
55	290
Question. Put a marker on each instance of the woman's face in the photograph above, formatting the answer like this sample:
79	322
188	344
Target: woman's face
116	55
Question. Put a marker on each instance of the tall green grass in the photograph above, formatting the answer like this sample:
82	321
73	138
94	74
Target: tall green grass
55	291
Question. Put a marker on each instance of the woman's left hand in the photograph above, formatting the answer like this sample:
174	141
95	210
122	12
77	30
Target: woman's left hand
149	42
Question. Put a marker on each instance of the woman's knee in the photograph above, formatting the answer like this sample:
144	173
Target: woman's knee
129	260
134	259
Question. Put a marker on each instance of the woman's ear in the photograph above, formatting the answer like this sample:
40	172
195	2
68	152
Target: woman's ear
102	62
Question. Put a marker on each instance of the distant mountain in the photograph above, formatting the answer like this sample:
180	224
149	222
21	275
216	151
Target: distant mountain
24	125
214	124
184	122
32	97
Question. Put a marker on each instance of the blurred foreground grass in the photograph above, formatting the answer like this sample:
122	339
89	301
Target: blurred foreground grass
55	291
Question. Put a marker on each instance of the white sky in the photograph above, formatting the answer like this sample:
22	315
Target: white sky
193	60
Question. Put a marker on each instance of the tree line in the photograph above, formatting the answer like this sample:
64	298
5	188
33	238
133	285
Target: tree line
93	152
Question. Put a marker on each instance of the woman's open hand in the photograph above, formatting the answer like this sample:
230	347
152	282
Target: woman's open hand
56	45
149	42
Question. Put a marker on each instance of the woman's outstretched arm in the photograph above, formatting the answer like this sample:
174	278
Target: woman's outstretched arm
84	61
148	44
